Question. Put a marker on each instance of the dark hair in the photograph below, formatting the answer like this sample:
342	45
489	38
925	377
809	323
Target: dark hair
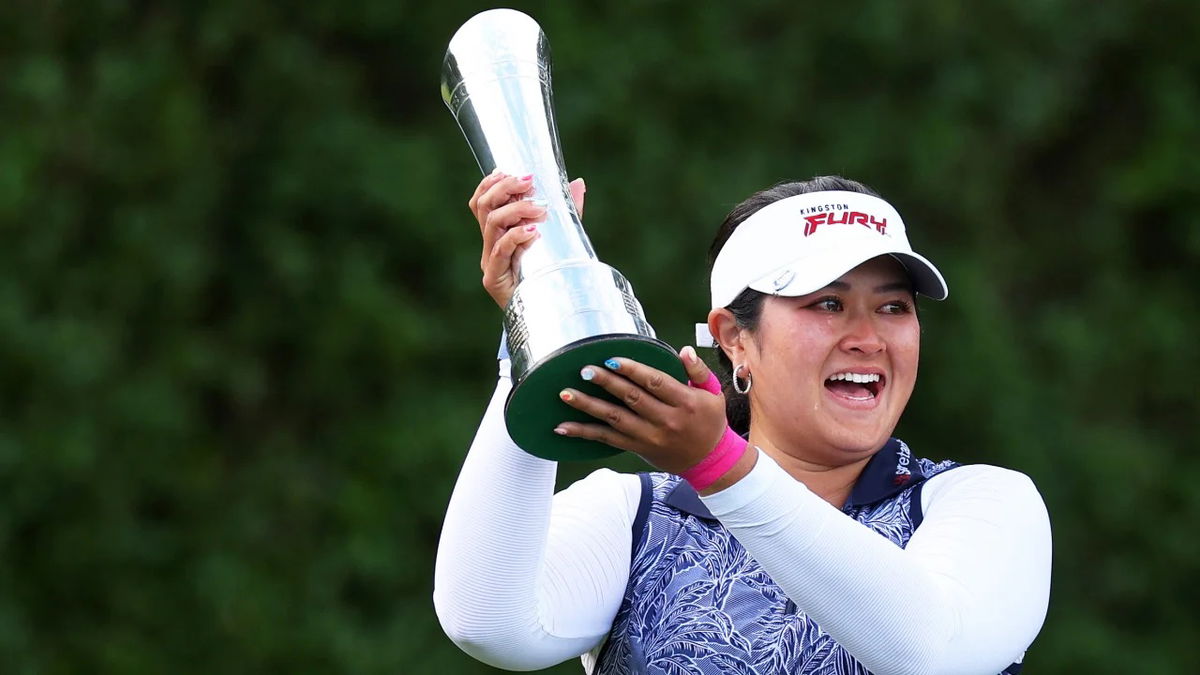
747	306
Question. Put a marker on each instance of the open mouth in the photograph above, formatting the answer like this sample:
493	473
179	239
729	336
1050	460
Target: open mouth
856	386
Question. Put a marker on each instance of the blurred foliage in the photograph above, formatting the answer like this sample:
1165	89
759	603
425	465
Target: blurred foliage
244	345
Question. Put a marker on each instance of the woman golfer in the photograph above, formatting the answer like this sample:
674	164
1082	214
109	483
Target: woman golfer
786	530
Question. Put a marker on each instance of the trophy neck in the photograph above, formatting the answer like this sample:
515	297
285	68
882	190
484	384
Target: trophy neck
496	82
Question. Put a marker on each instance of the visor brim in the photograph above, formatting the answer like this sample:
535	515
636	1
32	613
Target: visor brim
809	275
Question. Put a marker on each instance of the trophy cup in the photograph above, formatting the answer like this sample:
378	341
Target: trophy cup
569	309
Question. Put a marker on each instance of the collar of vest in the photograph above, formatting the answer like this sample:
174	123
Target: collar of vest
889	471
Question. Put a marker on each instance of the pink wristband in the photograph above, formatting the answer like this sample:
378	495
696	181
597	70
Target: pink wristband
729	450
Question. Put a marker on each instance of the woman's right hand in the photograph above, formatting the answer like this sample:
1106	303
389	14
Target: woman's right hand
508	215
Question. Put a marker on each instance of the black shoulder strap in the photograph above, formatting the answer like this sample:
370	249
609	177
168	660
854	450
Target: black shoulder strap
915	513
643	512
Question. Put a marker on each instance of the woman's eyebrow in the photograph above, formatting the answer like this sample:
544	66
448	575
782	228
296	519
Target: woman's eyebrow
894	286
889	287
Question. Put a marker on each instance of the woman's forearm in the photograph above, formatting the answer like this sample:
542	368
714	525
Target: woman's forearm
525	579
967	595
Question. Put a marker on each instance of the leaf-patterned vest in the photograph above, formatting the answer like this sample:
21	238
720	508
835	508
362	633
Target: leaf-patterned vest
698	604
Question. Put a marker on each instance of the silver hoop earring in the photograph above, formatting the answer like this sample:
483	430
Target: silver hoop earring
749	380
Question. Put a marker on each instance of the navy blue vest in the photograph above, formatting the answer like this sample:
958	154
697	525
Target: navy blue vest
698	603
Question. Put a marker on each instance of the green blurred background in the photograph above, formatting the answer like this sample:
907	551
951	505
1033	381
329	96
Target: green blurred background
244	345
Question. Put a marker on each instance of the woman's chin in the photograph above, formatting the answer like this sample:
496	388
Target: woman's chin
859	439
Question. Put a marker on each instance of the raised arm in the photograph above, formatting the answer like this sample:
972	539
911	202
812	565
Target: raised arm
524	578
967	595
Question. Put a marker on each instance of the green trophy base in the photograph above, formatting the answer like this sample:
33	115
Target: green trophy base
533	408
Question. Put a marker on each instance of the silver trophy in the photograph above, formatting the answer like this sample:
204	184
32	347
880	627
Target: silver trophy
569	309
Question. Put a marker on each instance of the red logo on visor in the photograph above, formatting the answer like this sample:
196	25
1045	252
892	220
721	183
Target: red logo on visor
844	218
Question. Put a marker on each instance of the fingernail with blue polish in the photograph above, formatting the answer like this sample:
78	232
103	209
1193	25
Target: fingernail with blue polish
612	363
587	374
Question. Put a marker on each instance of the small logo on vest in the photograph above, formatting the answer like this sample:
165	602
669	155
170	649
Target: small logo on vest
903	458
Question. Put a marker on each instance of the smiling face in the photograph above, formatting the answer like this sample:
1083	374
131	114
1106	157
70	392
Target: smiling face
833	370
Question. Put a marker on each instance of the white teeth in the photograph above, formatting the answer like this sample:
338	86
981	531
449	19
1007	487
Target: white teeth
856	377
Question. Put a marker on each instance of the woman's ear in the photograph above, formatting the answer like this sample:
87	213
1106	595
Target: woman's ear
727	334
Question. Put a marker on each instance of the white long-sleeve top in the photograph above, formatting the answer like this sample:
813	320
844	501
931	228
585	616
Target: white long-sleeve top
526	579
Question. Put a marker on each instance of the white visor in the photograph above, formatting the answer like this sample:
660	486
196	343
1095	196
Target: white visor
801	244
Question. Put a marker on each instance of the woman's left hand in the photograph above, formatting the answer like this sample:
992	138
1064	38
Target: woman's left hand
671	425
